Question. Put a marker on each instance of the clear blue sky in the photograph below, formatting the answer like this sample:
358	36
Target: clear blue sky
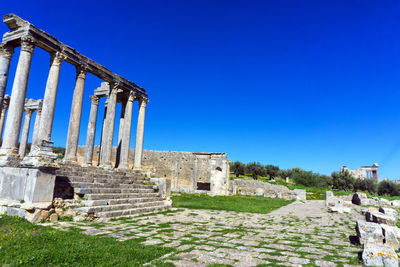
313	84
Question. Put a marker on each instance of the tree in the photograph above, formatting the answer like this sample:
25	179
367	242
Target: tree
386	187
365	185
271	171
237	168
255	169
343	180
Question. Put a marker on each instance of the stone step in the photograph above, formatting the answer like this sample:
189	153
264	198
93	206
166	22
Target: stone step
111	190
120	195
118	213
96	209
90	203
109	185
76	179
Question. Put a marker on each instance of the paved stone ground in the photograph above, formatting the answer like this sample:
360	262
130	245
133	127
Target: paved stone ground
299	234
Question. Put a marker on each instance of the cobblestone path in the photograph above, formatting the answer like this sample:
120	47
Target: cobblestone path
299	234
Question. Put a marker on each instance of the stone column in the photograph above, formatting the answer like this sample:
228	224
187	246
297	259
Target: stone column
120	134
91	131
36	127
17	99
2	117
139	135
75	117
25	132
6	52
49	101
126	133
108	131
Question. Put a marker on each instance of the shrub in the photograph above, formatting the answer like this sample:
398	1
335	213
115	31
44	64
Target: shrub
308	178
365	185
388	188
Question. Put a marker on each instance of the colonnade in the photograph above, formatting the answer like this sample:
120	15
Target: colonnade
42	144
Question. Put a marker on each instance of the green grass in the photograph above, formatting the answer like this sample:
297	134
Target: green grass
23	243
255	204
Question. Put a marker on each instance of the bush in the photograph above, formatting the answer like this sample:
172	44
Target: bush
343	180
310	179
388	188
365	185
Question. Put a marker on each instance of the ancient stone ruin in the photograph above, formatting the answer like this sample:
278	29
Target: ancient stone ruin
30	183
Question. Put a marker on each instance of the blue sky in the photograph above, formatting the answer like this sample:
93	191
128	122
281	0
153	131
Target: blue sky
313	84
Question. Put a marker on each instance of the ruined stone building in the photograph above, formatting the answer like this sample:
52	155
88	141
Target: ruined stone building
364	172
94	180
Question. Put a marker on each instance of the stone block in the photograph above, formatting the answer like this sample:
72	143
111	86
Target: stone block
384	202
368	231
356	199
53	217
375	254
378	217
300	194
395	203
390	235
339	208
389	211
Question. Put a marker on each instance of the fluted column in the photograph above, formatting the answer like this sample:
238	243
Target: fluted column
50	96
139	135
17	99
126	133
91	131
3	116
35	136
75	117
6	52
108	131
25	132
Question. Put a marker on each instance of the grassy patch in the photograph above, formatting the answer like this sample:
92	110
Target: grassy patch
23	243
254	204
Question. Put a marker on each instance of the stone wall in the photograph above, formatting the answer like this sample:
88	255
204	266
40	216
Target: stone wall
259	188
183	169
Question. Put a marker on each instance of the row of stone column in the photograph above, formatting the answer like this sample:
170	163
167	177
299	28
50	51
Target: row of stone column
45	123
30	107
124	135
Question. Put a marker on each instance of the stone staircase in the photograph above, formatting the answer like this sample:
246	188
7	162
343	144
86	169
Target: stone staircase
107	193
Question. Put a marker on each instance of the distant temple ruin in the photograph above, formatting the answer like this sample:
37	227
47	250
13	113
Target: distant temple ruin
364	172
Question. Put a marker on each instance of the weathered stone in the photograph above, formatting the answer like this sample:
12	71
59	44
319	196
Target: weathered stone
395	203
339	208
378	217
389	211
356	199
368	231
390	235
300	194
53	217
384	202
375	254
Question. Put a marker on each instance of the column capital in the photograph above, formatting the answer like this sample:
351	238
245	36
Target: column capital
81	71
57	58
28	111
143	102
28	44
131	96
95	99
6	50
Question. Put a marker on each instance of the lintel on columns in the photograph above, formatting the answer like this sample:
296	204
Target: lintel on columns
21	28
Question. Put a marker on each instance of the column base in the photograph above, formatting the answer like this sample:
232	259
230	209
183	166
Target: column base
41	155
9	157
